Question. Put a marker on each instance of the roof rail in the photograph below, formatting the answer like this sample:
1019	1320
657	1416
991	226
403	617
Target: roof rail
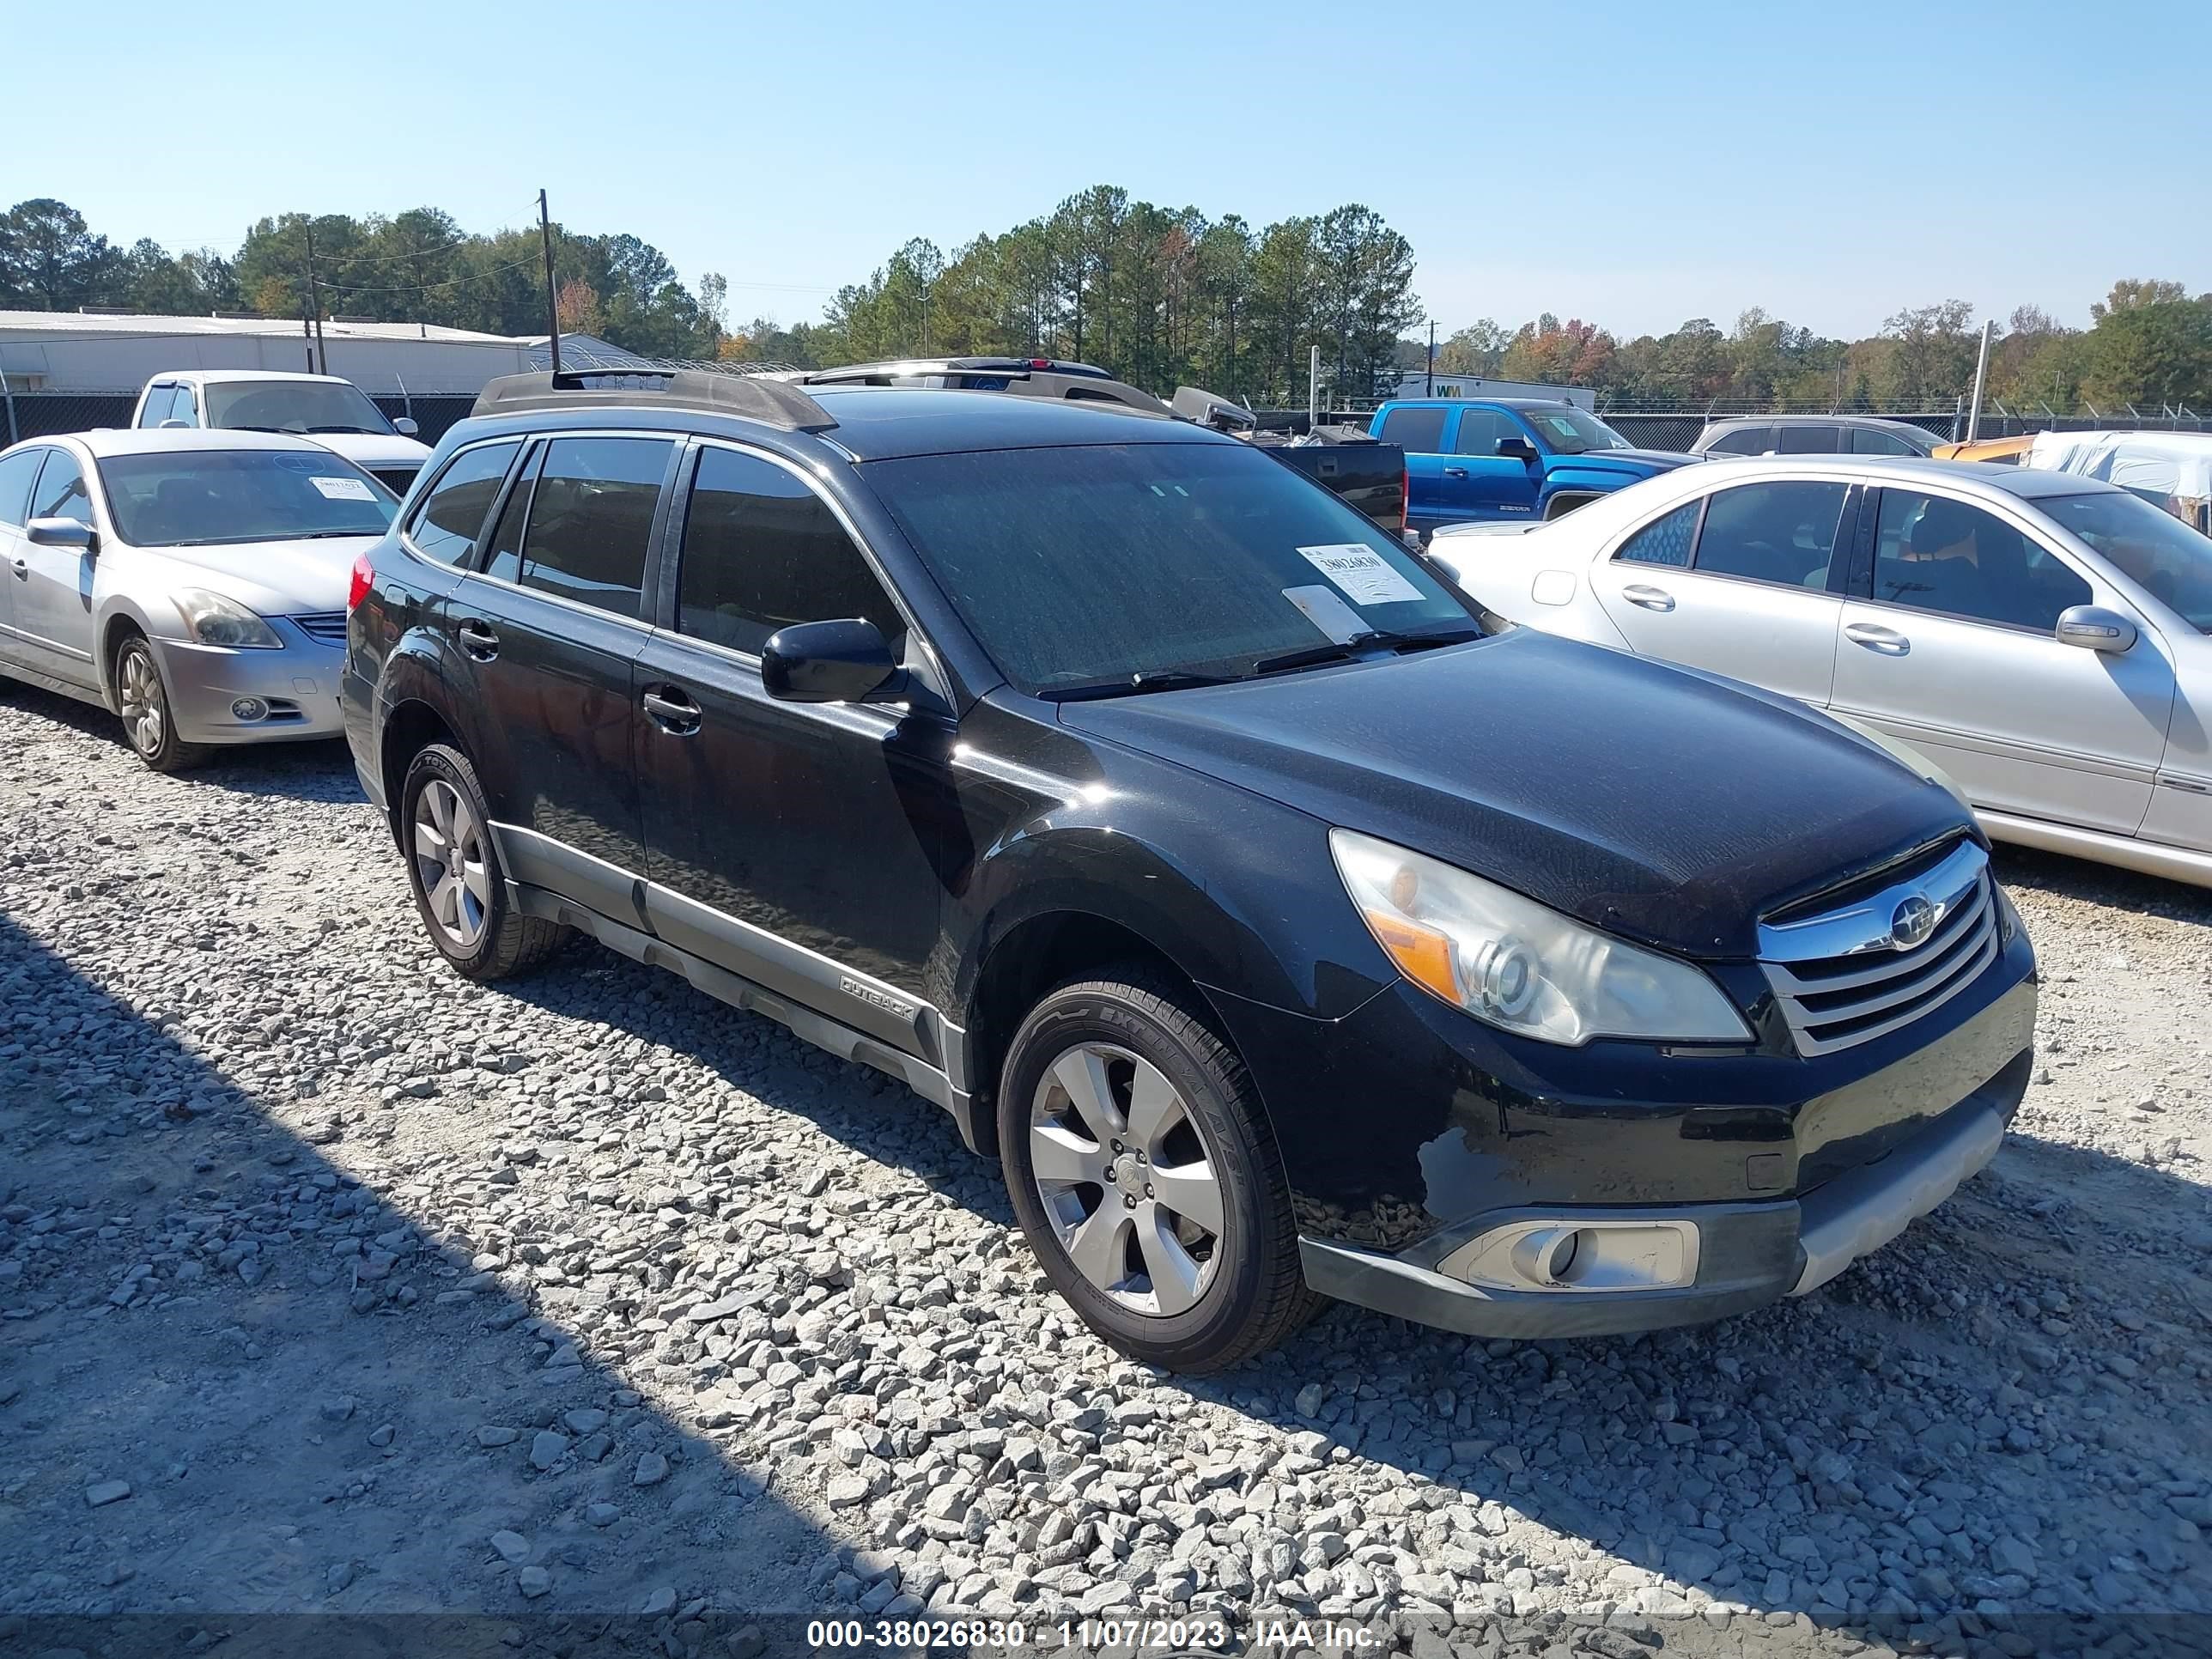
958	376
752	398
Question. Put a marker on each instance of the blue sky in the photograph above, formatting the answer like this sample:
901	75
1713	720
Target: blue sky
1633	164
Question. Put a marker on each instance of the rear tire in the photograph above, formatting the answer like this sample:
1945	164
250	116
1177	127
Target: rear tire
1142	1168
149	713
454	867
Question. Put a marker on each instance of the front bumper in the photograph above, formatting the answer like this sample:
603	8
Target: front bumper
298	684
1750	1254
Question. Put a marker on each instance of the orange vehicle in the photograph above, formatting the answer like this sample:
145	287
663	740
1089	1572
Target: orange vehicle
1997	451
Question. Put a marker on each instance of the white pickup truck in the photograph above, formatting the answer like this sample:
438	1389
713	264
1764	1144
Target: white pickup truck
336	413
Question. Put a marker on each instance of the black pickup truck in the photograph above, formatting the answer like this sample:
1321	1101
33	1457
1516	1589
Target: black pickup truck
1368	475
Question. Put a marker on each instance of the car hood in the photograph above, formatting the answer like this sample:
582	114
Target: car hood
373	449
277	579
1668	807
1643	463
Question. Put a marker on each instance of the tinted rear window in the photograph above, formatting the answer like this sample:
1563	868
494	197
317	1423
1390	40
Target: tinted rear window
1415	429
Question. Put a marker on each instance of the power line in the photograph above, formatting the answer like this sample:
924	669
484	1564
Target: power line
424	288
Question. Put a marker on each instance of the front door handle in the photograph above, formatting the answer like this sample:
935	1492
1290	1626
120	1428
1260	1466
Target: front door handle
677	714
1651	598
1887	641
478	641
1454	472
22	566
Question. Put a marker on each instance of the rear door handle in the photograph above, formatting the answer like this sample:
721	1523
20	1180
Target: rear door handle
677	714
1454	472
1651	598
478	641
1887	641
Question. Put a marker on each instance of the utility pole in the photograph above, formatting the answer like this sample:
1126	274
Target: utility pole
1981	376
315	303
1430	390
1313	390
552	295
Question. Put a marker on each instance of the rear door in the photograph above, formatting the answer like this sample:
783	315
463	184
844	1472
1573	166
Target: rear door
545	633
1480	484
52	585
1747	581
1418	429
1948	643
803	846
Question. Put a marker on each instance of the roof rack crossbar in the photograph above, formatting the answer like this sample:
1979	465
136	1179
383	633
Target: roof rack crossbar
752	398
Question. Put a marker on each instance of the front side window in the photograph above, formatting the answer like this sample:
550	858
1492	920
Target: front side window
1567	430
1479	429
1936	554
447	525
160	401
17	473
1744	441
2153	547
61	492
300	406
208	497
762	551
1417	428
1783	533
1665	540
1094	567
590	518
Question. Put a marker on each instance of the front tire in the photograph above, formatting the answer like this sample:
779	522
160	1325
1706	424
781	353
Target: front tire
149	724
1141	1166
452	866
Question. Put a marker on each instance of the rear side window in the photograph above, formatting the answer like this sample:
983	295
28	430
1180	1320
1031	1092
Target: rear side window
447	525
589	519
1415	428
60	492
1873	440
762	551
1783	533
1808	439
1664	541
16	473
1479	429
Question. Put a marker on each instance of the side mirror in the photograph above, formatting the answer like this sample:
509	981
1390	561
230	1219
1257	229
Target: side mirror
63	532
171	424
405	427
2095	629
1516	449
842	661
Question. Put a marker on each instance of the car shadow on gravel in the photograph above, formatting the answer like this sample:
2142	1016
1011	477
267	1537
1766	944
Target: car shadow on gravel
239	1382
1886	1457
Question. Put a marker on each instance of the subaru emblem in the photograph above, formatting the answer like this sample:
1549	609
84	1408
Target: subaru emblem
1911	922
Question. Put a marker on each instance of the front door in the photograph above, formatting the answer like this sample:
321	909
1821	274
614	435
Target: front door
1738	583
18	472
803	846
546	633
52	623
1480	484
1950	647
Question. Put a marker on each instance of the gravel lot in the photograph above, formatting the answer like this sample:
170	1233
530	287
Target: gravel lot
332	1282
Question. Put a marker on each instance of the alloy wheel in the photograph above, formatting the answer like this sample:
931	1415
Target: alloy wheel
449	860
145	710
1126	1178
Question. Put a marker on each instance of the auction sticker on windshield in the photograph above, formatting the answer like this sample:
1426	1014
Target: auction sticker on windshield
1362	572
343	490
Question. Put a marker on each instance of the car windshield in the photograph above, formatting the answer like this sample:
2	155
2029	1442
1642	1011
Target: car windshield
292	406
2156	549
1567	430
201	497
1091	569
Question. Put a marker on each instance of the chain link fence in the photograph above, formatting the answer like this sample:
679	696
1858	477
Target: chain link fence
48	414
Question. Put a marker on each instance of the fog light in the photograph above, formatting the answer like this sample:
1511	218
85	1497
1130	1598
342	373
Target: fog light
250	708
1579	1254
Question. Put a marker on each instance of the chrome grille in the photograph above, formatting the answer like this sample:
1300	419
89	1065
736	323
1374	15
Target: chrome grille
1844	977
328	626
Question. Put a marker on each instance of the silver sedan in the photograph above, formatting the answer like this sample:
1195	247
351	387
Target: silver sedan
2040	637
192	582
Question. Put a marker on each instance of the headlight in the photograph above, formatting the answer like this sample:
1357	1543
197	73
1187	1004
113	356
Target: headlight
212	619
1508	960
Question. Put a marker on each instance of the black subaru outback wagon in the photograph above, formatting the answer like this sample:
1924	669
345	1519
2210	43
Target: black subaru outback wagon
1189	842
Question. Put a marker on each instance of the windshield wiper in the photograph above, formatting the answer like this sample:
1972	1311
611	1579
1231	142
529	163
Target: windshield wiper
1136	686
368	431
1374	639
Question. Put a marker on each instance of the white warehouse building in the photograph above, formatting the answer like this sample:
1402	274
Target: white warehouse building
103	351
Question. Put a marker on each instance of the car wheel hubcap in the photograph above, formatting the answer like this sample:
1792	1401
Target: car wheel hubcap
145	717
449	858
1127	1180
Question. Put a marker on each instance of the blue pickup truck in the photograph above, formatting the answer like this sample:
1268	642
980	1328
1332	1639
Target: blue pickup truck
1469	461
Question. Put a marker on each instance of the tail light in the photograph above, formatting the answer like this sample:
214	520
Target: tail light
1404	495
364	578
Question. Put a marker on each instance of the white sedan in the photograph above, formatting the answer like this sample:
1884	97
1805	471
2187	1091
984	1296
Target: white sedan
2040	637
